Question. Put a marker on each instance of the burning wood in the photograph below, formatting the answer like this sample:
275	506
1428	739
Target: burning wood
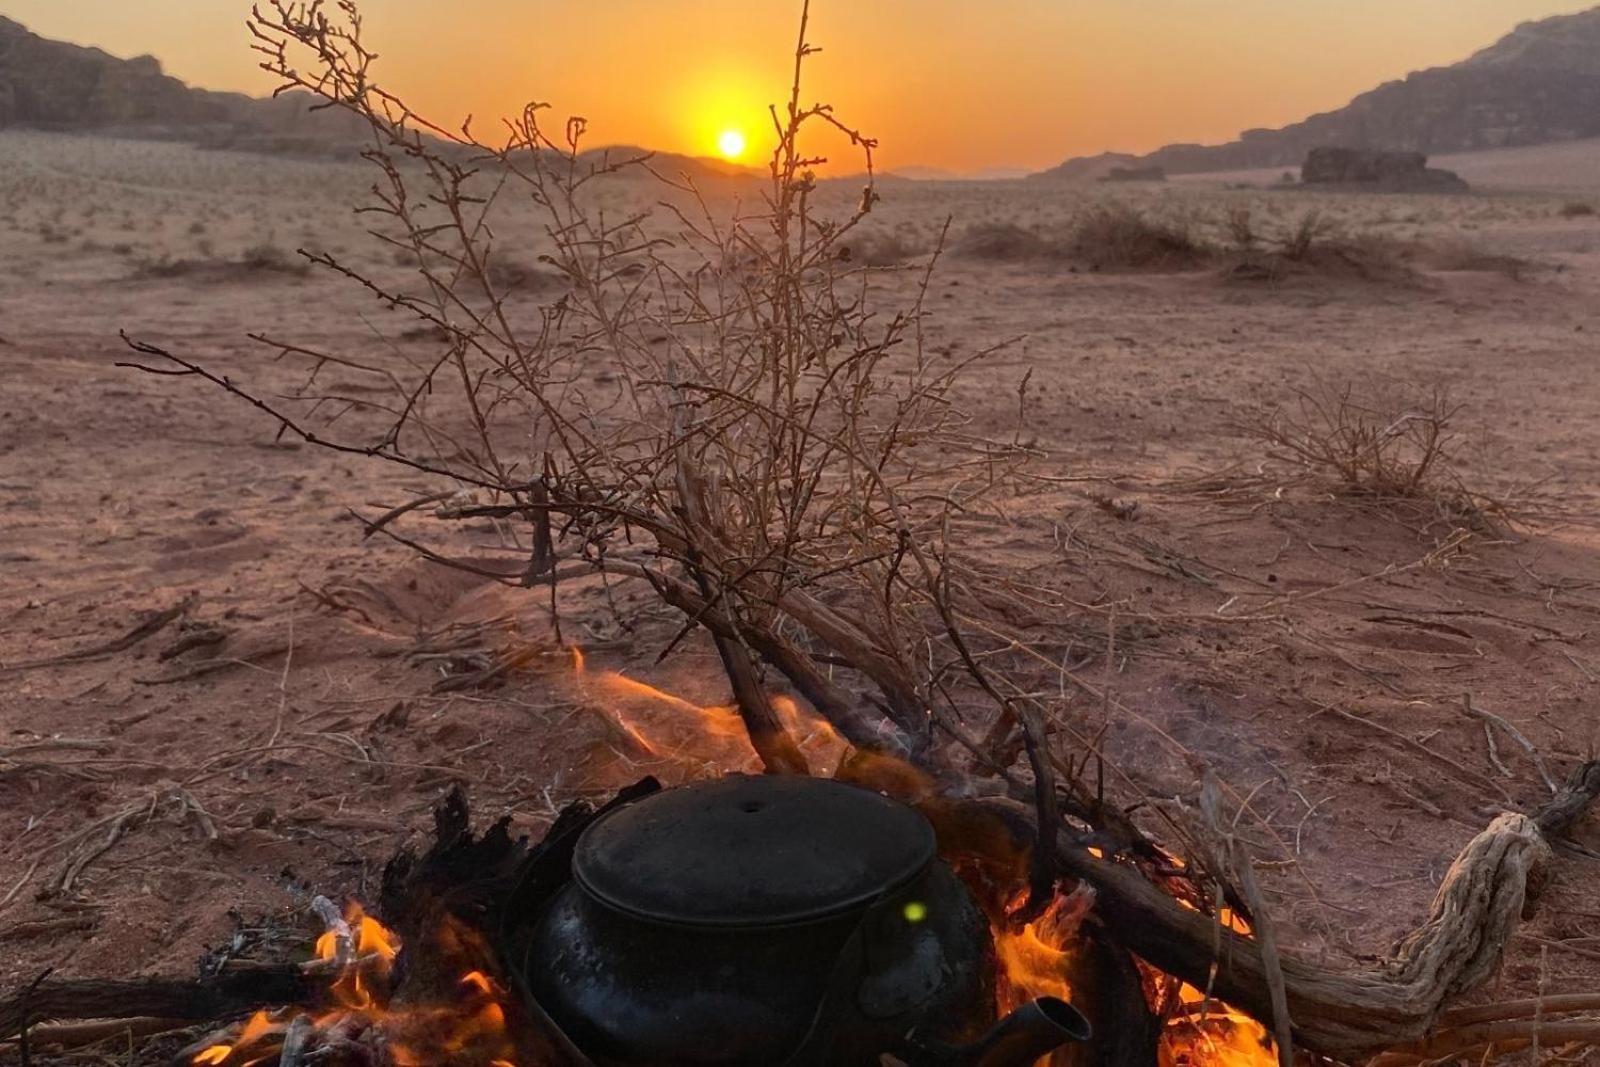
364	1022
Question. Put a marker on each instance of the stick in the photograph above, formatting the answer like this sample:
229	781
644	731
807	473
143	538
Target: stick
237	990
147	628
1516	735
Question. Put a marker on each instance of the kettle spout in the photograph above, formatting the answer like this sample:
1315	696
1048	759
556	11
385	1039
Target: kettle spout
1034	1030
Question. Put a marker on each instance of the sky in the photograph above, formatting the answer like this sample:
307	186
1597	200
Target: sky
957	84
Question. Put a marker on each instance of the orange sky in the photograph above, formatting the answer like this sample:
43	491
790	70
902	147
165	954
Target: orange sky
962	84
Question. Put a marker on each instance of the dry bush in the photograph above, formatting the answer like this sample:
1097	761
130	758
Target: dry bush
1389	441
1003	242
872	248
712	403
508	274
1108	237
1313	247
255	261
1118	237
1576	209
1461	255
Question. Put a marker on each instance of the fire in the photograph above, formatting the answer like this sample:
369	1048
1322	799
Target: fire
466	1025
1034	959
709	734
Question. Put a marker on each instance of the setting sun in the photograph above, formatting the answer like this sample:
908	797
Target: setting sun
731	144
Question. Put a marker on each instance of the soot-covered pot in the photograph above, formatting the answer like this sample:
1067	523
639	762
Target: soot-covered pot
771	921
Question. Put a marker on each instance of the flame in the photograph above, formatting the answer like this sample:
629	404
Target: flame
466	1025
1034	959
698	733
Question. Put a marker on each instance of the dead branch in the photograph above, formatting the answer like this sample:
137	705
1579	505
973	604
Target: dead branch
1491	887
146	628
236	990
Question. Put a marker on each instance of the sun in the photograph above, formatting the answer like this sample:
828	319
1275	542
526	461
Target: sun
731	144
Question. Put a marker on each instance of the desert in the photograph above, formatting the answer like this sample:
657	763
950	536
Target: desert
1291	489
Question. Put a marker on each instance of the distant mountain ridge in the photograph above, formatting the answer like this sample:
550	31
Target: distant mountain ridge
1539	84
54	85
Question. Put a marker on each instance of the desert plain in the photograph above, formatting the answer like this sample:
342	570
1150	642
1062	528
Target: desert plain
219	695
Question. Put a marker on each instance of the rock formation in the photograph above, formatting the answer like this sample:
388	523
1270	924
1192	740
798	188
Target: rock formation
1369	169
1539	84
54	85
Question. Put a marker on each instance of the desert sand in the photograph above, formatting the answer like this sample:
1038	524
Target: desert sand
1338	660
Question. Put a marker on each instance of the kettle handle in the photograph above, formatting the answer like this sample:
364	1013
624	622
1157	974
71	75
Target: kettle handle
838	999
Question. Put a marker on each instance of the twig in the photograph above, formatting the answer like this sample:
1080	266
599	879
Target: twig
145	629
1516	735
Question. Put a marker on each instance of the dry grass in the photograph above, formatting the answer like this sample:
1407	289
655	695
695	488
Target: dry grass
1388	442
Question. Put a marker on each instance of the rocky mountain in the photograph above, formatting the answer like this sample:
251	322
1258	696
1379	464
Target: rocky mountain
1537	85
54	85
46	84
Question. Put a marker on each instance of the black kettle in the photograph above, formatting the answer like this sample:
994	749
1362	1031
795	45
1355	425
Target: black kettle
773	921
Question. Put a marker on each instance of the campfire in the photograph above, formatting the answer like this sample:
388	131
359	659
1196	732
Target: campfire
475	971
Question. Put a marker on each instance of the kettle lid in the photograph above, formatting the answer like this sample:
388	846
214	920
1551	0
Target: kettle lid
748	851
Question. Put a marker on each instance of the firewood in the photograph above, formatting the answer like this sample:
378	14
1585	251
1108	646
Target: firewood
1493	884
236	990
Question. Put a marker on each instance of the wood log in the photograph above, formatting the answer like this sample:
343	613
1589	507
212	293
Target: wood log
1492	885
235	990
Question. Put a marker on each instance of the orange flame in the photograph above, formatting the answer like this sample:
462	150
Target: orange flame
713	733
1034	959
468	1025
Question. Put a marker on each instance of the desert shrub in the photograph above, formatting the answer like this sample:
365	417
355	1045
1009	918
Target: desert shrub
1003	242
1314	246
509	274
1388	440
1118	237
1465	256
269	258
1576	209
1111	237
1312	231
764	447
255	260
872	248
1241	230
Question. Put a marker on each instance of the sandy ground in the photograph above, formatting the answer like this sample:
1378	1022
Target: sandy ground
284	736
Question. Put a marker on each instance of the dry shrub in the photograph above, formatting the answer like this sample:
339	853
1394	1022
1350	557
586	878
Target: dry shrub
1313	247
1576	209
1389	441
710	405
1109	237
253	262
1003	242
874	248
1461	255
510	274
1117	237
